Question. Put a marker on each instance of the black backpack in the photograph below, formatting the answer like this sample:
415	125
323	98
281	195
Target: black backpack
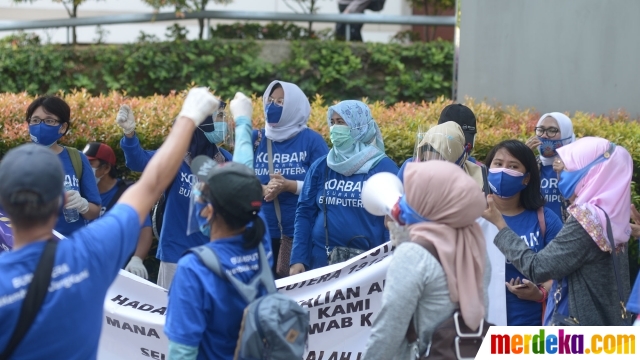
376	5
122	186
157	214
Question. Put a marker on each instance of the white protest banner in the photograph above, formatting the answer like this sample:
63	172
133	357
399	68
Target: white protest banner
498	300
343	301
133	320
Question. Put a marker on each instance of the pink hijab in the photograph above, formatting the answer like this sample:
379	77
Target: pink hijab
452	202
607	185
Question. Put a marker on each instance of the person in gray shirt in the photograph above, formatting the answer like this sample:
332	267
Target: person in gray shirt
418	287
596	179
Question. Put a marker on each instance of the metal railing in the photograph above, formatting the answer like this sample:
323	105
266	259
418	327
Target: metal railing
231	15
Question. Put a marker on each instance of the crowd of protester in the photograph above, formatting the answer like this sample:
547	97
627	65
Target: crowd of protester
562	220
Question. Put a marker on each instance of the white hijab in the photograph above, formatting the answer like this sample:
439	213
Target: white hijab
295	112
566	132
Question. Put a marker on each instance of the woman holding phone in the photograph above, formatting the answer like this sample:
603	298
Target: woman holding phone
514	179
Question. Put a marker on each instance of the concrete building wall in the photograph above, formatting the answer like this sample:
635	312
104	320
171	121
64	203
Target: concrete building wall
554	55
48	9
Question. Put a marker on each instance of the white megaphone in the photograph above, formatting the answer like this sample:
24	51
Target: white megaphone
381	193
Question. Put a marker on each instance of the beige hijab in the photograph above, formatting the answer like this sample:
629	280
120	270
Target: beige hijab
452	204
448	140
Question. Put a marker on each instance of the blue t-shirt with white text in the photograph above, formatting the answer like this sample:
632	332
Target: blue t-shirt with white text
549	189
205	310
69	323
87	187
173	236
348	223
526	225
291	158
107	197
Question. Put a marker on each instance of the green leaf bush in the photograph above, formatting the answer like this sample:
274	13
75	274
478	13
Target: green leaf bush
337	70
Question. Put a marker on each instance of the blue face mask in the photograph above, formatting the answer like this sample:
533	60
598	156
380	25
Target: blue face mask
203	223
506	183
44	134
274	113
407	214
570	179
218	134
548	147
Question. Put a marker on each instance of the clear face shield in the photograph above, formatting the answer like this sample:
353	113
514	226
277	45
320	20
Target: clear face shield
220	132
439	143
197	223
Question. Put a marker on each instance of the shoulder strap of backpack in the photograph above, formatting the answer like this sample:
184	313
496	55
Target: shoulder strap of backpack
36	293
485	180
248	291
541	221
123	185
76	161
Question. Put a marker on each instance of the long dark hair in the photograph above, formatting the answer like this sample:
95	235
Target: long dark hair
530	198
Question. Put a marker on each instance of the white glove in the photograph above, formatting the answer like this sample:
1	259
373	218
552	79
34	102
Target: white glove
198	105
125	119
241	106
398	233
136	267
75	201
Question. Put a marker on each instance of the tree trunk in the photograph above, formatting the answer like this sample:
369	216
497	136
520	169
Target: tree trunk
201	23
74	15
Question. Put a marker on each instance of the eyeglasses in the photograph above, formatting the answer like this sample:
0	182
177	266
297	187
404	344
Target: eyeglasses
551	132
47	121
278	102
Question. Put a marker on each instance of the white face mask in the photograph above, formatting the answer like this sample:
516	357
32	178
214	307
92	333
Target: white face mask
94	174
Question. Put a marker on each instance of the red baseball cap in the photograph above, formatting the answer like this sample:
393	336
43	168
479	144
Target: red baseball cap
100	151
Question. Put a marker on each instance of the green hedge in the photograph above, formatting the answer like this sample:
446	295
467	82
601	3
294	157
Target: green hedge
337	70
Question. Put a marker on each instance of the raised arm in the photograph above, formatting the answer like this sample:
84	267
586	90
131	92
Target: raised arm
242	109
164	165
136	157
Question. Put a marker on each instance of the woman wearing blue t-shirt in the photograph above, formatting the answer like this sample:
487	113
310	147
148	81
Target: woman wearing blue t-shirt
294	147
174	240
514	179
552	132
48	118
332	190
205	310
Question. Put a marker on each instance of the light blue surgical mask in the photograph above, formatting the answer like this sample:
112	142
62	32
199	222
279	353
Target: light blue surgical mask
340	136
203	223
218	134
570	179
